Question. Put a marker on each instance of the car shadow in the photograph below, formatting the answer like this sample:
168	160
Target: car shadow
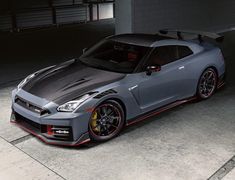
161	118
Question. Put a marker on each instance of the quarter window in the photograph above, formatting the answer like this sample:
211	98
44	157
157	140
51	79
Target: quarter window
184	51
166	54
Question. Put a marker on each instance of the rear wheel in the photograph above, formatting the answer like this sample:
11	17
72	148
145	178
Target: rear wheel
207	84
106	121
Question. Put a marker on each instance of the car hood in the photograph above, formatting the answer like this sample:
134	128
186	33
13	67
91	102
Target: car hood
68	81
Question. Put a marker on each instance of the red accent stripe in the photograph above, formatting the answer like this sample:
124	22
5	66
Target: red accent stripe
221	85
49	130
43	140
170	106
90	110
144	117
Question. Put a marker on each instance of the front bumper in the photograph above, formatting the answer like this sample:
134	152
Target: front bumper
56	128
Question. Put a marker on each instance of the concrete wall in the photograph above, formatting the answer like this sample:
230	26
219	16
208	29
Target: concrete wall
151	15
123	12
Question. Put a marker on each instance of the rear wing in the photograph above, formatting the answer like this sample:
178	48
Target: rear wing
200	35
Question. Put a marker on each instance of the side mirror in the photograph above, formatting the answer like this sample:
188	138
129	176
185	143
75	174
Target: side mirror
151	69
84	50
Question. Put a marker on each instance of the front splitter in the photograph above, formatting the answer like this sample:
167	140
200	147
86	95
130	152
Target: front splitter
84	138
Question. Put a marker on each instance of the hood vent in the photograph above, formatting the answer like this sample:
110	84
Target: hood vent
110	91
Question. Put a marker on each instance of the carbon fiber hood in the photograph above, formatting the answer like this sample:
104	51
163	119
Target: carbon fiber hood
68	81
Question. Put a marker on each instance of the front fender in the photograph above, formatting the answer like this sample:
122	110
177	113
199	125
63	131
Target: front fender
130	104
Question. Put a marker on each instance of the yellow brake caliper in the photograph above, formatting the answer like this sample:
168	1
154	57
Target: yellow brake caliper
94	121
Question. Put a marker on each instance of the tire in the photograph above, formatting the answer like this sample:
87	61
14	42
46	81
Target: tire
207	84
106	121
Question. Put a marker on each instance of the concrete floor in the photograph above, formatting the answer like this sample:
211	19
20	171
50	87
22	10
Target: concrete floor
192	141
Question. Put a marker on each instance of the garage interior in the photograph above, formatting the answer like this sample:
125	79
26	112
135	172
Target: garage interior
192	141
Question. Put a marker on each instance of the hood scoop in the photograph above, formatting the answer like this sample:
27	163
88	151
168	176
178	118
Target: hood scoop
57	69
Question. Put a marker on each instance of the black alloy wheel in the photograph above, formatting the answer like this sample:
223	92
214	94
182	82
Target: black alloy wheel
207	84
106	121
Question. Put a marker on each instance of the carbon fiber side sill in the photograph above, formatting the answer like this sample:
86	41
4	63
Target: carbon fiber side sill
159	110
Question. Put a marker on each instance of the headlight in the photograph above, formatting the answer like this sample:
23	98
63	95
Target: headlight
72	105
22	83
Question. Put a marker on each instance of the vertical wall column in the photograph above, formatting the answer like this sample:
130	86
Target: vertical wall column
124	16
50	2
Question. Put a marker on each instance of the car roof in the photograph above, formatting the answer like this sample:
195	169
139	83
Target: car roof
138	39
154	40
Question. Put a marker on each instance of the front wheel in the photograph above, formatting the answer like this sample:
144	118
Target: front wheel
106	121
207	84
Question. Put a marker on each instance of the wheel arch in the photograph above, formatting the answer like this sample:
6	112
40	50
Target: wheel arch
214	68
210	66
126	100
121	106
207	67
120	102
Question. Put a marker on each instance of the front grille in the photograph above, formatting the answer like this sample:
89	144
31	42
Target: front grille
28	105
28	123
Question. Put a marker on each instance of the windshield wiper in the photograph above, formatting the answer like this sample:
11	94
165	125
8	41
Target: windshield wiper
98	66
93	65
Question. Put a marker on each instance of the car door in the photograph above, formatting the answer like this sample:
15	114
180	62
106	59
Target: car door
165	86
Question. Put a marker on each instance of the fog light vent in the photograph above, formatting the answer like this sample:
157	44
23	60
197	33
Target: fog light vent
61	131
58	132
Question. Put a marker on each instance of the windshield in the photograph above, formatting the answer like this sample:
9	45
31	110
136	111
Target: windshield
114	56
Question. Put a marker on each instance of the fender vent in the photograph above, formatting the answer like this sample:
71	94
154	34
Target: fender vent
110	91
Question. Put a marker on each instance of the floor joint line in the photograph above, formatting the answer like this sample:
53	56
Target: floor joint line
224	170
34	159
21	139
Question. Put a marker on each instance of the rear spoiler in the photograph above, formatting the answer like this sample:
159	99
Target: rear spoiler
200	34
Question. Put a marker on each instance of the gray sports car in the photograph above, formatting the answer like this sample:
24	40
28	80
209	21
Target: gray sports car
119	81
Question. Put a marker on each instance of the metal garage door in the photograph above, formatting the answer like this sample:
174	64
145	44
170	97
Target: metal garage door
34	18
32	14
62	2
29	4
66	2
78	1
5	18
5	22
71	14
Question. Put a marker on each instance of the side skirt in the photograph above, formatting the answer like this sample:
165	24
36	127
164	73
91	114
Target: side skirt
158	111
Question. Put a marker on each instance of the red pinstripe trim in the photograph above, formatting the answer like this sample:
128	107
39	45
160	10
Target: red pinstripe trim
221	85
170	106
43	140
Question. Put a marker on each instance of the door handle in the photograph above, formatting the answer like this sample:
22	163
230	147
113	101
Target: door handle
181	67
